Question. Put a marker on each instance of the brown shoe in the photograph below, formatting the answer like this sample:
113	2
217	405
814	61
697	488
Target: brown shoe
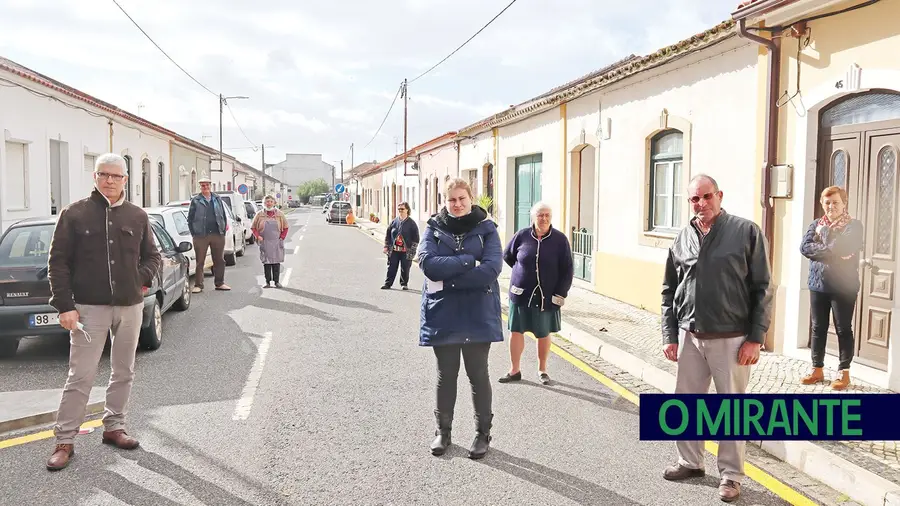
814	377
120	439
842	382
224	288
729	490
678	472
62	454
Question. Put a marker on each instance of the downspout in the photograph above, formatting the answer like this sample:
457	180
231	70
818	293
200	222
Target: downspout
771	139
110	136
771	135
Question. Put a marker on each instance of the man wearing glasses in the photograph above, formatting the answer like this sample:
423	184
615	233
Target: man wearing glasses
206	220
101	256
716	303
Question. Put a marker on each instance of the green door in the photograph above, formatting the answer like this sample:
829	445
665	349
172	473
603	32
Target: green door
528	188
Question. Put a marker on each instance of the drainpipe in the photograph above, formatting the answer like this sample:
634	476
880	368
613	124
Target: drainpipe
771	140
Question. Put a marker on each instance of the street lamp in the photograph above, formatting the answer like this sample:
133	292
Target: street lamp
222	102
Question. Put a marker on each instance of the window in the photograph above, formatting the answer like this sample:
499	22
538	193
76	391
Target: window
89	161
161	182
26	246
128	172
163	240
181	223
666	193
16	188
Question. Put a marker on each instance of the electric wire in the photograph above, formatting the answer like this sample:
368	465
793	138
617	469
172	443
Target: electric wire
239	126
385	117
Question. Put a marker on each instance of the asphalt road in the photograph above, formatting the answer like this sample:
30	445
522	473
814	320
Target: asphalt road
341	409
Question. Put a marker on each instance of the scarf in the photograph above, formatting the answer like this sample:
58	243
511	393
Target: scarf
463	224
837	224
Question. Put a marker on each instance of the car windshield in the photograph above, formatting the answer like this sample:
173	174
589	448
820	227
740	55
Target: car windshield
27	246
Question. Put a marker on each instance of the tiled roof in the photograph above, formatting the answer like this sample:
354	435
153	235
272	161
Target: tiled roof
410	152
31	75
604	77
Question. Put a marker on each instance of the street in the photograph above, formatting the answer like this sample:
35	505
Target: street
318	393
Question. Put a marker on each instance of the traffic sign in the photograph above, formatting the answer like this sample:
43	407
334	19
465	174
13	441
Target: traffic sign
290	197
345	197
277	195
339	188
243	189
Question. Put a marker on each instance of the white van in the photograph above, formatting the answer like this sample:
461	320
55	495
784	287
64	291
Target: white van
236	201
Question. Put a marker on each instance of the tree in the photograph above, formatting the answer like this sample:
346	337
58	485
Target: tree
310	188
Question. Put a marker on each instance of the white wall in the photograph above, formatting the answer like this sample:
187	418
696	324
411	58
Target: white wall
538	134
715	91
36	120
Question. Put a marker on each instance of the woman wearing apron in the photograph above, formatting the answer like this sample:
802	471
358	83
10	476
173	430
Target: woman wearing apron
270	227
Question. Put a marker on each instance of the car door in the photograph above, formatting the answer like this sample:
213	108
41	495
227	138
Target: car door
170	265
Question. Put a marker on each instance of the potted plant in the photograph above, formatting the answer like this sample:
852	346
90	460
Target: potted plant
485	202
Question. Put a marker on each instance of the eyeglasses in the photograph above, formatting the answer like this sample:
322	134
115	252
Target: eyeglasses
696	198
107	175
402	209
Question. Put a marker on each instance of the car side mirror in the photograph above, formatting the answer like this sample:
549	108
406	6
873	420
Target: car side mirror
184	247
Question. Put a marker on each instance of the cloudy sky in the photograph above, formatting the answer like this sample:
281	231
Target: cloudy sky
322	75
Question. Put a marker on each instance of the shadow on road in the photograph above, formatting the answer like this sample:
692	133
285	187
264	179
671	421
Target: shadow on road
569	486
597	397
335	301
292	308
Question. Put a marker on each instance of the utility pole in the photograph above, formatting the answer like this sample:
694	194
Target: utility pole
264	169
222	101
342	172
405	99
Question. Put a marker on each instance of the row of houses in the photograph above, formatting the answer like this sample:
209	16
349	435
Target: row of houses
52	134
782	100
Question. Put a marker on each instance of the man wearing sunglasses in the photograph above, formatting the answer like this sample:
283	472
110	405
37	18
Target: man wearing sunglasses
716	304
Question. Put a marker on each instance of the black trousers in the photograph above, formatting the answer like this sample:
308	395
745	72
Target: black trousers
475	357
841	306
273	272
398	259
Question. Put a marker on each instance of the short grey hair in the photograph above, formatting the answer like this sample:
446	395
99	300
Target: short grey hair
111	159
537	208
705	177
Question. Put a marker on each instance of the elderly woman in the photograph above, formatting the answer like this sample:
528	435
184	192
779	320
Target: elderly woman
270	227
832	244
542	272
461	257
400	242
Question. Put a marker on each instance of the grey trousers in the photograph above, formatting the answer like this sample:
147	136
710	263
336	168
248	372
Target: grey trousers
84	358
699	362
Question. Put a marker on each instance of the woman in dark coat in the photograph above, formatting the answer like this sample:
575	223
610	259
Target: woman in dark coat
400	242
461	257
541	278
832	244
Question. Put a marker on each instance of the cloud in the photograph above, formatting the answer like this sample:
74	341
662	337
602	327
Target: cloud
321	75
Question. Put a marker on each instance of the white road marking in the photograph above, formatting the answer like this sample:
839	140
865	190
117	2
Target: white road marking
287	276
297	250
245	403
300	239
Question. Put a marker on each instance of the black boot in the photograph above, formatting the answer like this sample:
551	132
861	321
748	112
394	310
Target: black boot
482	437
276	275
442	440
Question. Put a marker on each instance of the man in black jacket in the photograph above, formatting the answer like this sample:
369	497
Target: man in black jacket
101	256
716	302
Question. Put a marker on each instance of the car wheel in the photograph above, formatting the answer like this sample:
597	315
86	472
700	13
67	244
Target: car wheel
8	348
241	242
229	259
184	302
151	336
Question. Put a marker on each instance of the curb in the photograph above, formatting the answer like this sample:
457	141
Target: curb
31	421
859	484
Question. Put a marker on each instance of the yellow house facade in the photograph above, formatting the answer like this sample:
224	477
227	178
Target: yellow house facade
835	102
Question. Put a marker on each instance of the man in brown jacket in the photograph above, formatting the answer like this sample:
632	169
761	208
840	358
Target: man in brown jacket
101	256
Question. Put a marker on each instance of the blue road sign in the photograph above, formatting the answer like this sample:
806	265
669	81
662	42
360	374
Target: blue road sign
242	189
277	195
339	188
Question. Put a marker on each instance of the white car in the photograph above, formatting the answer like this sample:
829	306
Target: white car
174	220
231	231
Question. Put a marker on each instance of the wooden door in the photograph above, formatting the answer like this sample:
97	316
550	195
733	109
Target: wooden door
843	154
528	188
879	261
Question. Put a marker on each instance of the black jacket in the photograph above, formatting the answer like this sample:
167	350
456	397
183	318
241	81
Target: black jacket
719	284
408	228
829	271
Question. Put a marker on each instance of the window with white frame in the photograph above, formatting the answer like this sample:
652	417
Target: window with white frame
16	188
666	194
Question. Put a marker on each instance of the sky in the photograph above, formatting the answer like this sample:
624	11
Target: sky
321	76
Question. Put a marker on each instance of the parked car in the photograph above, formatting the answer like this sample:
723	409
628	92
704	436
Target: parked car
338	212
252	209
25	309
231	232
235	201
174	220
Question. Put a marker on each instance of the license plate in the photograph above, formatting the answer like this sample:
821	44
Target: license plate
43	320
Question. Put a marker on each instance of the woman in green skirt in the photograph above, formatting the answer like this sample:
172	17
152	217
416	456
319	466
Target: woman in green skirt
542	273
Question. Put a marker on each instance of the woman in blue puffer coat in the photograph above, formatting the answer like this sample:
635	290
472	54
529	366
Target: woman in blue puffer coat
461	257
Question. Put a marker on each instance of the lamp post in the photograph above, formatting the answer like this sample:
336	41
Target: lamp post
222	102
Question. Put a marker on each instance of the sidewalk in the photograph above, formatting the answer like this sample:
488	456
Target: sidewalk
629	338
30	408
